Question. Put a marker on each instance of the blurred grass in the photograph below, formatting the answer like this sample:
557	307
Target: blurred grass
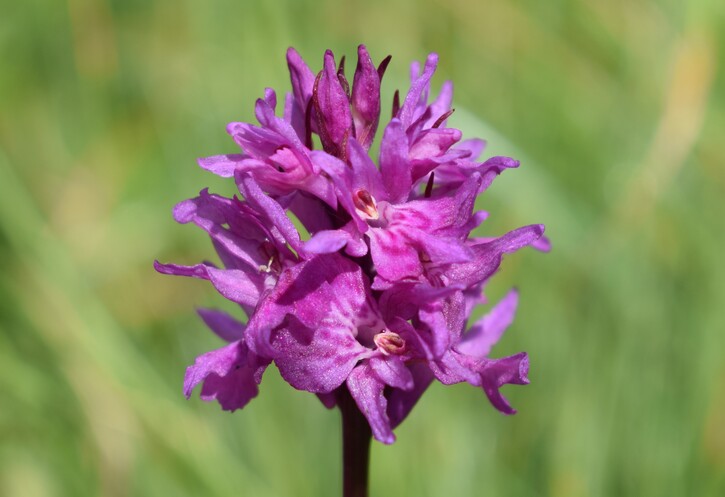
617	111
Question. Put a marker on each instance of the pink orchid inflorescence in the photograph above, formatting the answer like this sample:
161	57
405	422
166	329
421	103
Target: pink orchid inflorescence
377	300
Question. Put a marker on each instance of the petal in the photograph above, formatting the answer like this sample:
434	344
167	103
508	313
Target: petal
414	103
236	285
401	402
221	165
392	371
298	103
449	370
230	375
395	259
301	76
316	359
441	105
488	330
222	324
275	214
498	372
367	390
324	292
328	241
365	98
488	254
394	165
365	174
433	142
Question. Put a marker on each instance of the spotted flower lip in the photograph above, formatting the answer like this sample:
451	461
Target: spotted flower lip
377	300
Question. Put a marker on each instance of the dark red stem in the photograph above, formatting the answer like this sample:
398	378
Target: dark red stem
356	437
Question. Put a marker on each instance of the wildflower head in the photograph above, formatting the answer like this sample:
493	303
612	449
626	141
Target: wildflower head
375	304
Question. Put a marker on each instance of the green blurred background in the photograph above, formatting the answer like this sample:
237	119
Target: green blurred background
617	112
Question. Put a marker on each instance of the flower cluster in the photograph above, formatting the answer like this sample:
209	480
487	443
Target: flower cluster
378	298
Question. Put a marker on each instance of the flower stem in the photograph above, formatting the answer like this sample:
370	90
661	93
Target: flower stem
356	438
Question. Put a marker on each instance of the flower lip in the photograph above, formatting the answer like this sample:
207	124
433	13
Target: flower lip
365	204
389	343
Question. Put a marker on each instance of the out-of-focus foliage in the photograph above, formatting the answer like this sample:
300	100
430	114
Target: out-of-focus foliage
617	111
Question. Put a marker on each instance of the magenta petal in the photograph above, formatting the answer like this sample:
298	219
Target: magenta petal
488	254
233	284
441	105
395	259
401	402
498	372
301	76
394	164
271	208
488	330
365	98
367	390
326	242
230	375
365	174
222	324
392	371
316	359
222	165
418	93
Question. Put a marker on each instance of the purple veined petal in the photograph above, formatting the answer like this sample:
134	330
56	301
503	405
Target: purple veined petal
367	390
495	373
418	93
234	284
230	375
254	195
222	324
334	119
392	371
394	257
394	164
401	402
222	165
316	359
365	98
488	330
322	292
